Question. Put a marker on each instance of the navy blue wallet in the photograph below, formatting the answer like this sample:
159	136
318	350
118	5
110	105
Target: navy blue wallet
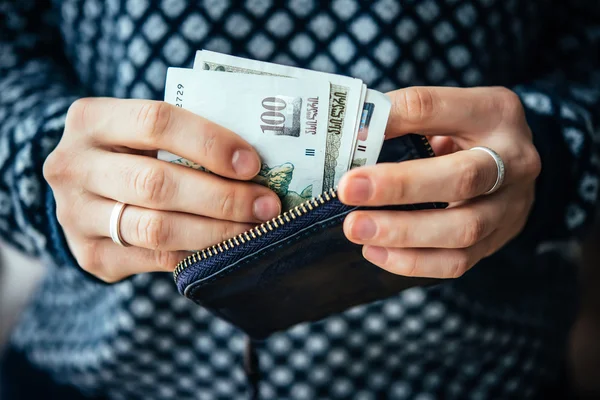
297	267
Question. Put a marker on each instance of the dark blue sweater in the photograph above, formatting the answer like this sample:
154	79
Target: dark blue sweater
495	332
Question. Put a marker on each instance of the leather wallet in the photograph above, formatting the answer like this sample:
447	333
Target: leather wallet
297	267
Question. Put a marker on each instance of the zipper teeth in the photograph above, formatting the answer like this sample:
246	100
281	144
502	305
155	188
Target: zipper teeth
257	231
428	146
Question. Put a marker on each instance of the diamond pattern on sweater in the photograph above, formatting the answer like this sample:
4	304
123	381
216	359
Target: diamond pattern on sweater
140	338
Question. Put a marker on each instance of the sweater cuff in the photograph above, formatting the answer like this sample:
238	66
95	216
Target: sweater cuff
60	251
564	144
553	185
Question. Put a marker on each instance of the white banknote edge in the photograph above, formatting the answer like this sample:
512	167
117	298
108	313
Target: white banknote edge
363	96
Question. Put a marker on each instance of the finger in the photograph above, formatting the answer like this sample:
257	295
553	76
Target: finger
151	183
430	263
112	263
153	125
158	230
457	227
447	110
454	177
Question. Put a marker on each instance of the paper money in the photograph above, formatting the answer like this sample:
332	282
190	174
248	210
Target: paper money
308	127
346	96
284	119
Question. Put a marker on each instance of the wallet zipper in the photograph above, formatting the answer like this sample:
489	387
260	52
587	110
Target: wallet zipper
266	227
258	231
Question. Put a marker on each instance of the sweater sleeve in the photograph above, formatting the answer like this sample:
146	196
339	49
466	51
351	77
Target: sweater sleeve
37	86
562	105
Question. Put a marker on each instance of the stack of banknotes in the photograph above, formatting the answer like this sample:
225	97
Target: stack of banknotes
308	127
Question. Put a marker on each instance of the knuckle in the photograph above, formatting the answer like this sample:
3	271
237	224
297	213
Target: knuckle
109	275
166	260
152	185
230	230
77	114
399	189
209	141
50	168
473	230
470	179
153	119
412	265
507	96
509	102
153	230
397	235
63	215
57	168
415	104
390	190
533	162
88	257
226	202
458	265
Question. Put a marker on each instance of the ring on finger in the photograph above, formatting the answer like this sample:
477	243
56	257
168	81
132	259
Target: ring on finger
115	224
499	167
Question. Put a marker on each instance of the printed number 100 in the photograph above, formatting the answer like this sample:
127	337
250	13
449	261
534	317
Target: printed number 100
273	118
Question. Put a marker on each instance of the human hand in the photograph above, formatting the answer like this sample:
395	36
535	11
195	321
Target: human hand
446	243
108	154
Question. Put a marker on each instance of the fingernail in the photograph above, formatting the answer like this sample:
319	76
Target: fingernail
266	208
377	255
245	163
359	190
364	228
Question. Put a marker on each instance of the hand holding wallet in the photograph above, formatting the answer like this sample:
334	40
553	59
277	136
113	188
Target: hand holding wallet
297	267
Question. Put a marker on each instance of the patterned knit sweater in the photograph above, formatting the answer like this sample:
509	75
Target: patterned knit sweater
497	332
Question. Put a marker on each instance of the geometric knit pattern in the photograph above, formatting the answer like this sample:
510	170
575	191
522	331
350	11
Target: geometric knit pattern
140	339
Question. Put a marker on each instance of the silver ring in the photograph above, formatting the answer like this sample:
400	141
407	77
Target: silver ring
115	224
499	166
